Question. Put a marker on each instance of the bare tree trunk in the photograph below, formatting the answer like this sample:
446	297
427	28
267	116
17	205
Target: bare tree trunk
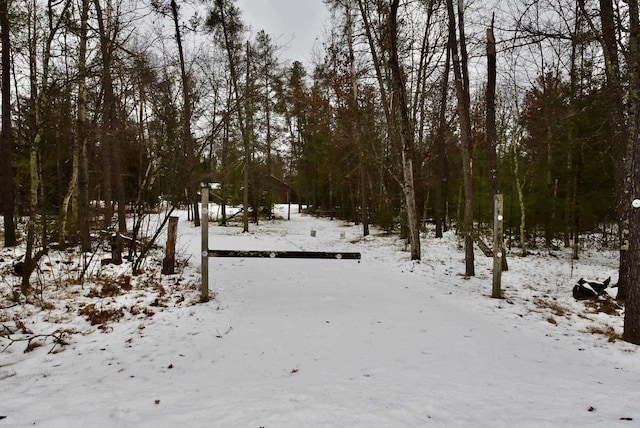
571	184
81	134
269	138
73	182
420	93
34	142
441	153
460	71
381	78
621	133
187	139
64	207
377	65
548	224
406	133
355	111
576	206
108	111
38	101
6	143
247	154
491	133
519	189
239	109
632	303
225	165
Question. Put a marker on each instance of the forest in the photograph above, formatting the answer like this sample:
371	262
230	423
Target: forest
412	112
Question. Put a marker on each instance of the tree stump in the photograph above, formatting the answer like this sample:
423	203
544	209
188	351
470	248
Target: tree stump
169	261
117	245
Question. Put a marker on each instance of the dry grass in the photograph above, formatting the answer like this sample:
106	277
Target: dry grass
608	331
607	306
555	307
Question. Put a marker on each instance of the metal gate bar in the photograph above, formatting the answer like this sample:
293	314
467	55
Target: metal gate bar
284	254
206	252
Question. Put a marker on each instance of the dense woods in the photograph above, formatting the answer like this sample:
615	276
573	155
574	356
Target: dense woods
411	113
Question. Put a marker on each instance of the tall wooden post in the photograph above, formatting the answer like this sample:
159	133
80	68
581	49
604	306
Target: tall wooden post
169	262
498	247
204	225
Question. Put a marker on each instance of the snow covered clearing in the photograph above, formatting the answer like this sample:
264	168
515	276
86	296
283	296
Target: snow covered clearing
384	342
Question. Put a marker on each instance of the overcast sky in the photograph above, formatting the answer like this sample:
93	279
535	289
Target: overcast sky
296	25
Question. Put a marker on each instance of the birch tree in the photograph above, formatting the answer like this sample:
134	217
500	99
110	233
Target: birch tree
81	131
405	130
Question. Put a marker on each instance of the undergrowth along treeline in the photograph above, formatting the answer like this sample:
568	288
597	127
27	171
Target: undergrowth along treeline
60	306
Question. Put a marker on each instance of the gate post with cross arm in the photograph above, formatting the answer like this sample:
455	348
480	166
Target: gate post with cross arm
204	225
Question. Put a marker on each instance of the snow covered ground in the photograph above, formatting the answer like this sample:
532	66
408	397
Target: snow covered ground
384	342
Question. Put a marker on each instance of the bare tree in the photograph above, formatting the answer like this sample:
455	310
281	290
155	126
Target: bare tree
73	181
441	170
81	132
632	303
461	73
187	138
226	17
490	132
267	64
623	135
405	131
34	142
8	187
108	28
356	134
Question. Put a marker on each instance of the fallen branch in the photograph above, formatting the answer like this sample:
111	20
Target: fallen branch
59	338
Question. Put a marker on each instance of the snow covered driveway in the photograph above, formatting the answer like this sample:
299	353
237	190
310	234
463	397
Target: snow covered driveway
322	343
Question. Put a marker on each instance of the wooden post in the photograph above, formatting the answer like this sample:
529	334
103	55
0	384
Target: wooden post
204	225
117	245
169	262
498	247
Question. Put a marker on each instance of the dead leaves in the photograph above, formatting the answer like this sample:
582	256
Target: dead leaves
97	316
